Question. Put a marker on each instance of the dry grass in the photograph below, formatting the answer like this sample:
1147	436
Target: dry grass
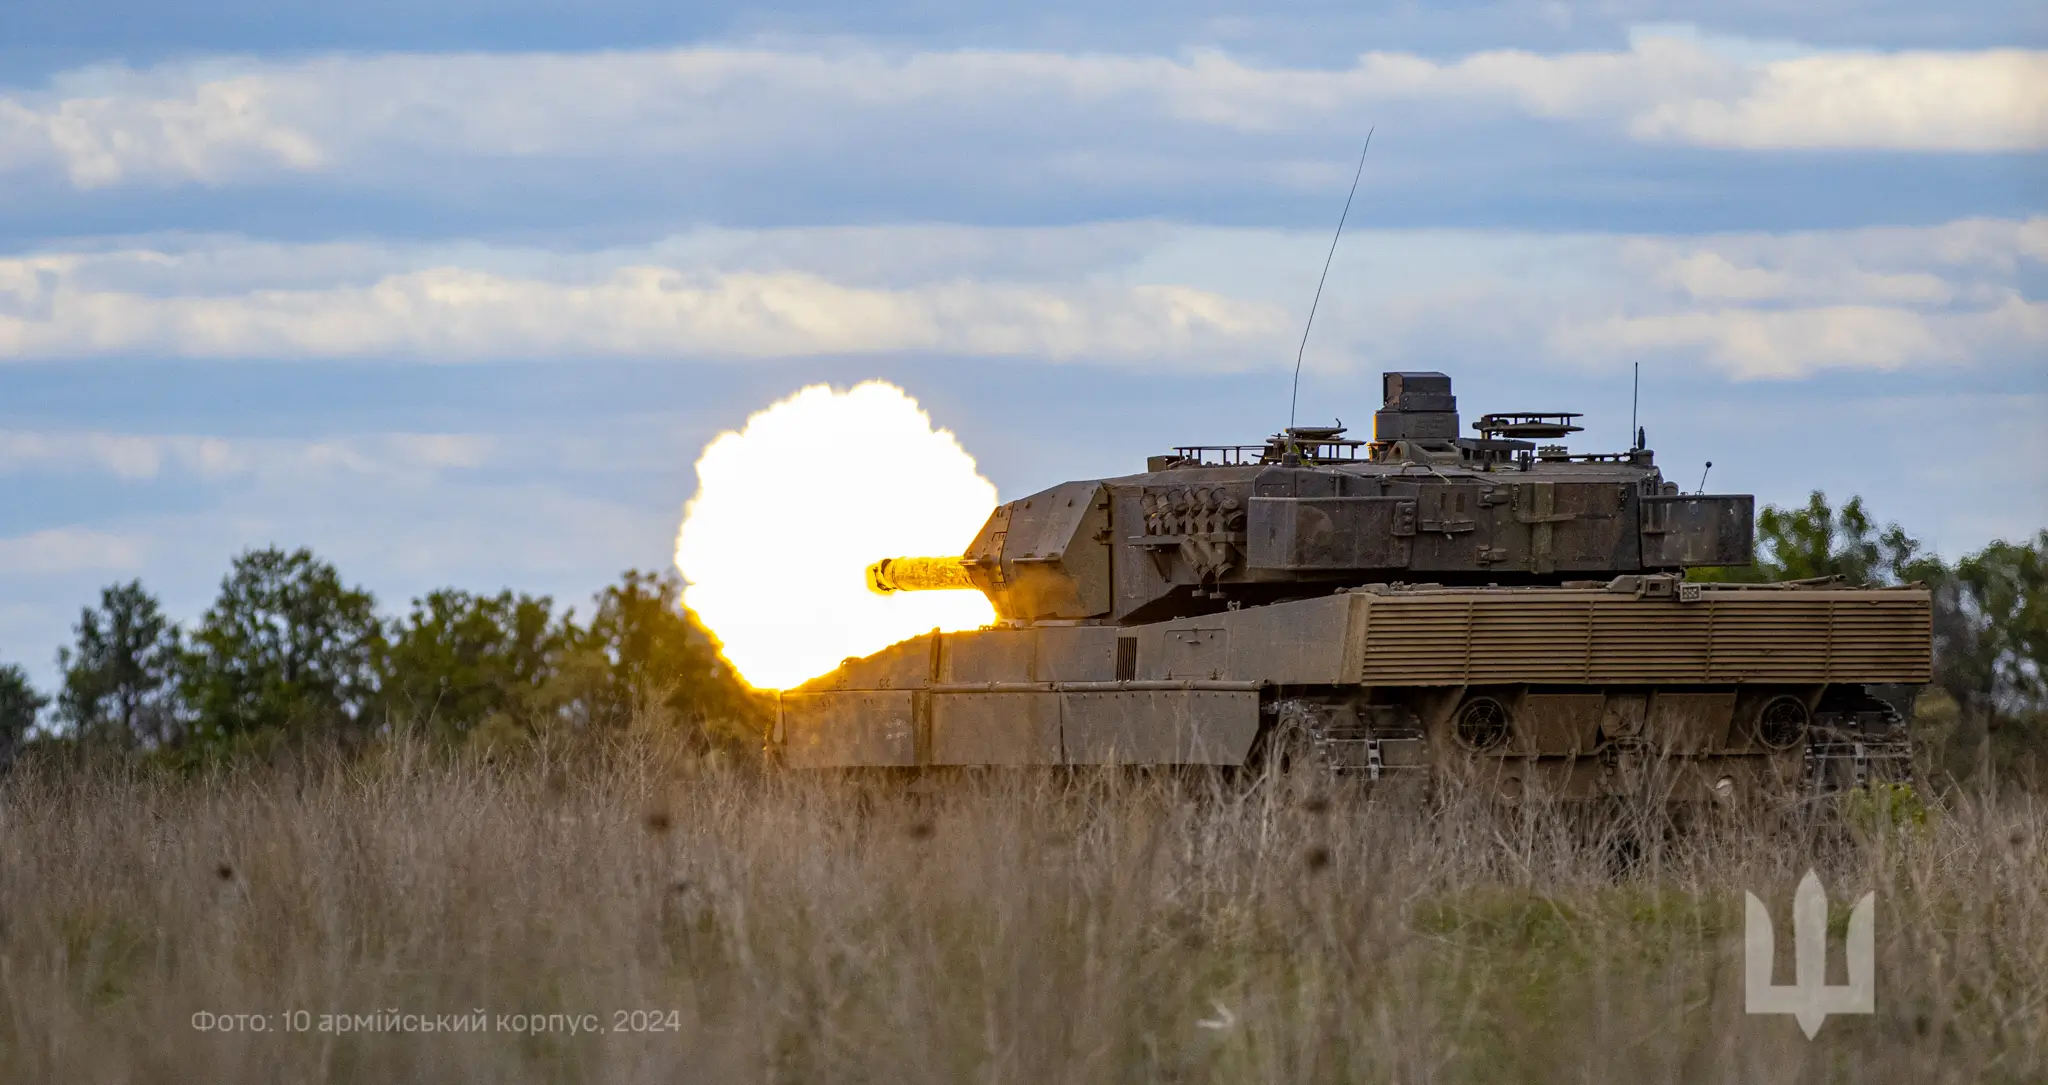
999	929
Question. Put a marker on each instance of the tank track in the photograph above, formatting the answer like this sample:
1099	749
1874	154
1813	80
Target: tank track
1856	746
1373	744
1847	746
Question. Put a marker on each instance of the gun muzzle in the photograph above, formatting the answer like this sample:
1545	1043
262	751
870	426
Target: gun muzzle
891	575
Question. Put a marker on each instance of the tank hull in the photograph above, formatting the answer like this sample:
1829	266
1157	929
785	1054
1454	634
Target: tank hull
1647	681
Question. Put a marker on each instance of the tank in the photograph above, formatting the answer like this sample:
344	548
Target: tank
1425	604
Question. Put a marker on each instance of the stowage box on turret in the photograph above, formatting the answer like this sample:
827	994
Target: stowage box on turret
1423	602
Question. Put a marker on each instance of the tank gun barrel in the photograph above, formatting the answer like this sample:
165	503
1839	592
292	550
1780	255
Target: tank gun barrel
891	575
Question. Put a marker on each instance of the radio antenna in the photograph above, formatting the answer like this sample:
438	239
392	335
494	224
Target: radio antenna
1635	397
1294	398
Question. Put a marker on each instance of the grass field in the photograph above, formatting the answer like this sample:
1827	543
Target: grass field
994	929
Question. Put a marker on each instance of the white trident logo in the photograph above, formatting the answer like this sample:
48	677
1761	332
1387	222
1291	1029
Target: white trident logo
1809	998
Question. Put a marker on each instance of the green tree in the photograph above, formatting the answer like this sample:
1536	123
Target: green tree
1991	632
19	703
645	657
120	677
1817	540
286	647
459	659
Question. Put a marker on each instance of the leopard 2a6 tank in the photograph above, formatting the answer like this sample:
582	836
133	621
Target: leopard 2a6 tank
1424	603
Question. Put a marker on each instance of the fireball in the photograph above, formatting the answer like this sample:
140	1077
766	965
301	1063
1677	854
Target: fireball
790	510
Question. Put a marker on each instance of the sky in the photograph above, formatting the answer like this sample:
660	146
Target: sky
455	293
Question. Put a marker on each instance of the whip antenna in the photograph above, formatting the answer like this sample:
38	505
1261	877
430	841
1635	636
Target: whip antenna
1295	397
1635	397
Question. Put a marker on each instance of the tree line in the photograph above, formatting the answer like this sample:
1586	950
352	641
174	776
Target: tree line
1990	623
289	651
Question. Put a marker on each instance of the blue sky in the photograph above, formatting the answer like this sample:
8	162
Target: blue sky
455	293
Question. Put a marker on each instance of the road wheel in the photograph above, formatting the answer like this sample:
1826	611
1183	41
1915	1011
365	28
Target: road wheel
1482	723
1783	722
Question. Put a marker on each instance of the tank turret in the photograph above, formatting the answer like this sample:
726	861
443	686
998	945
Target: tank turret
1310	512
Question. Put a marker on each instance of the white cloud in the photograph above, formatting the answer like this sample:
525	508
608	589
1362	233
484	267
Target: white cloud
69	549
1712	275
1752	343
1995	100
125	455
1154	295
1788	305
646	311
1768	343
209	131
139	457
218	120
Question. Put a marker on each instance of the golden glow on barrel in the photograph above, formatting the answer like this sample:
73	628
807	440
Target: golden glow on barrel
790	511
919	574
